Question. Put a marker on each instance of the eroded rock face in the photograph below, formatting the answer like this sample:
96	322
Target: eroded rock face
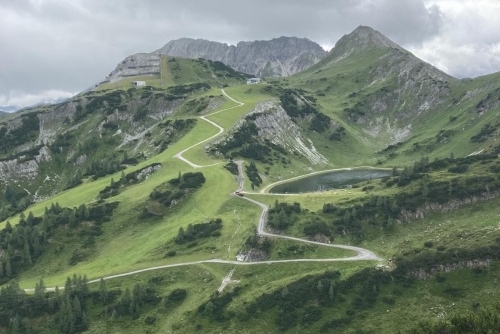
282	56
274	124
19	168
138	64
421	212
448	268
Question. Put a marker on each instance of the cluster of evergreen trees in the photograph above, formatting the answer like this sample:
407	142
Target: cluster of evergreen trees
125	180
27	131
17	200
198	231
253	175
177	188
305	300
22	244
283	215
215	307
188	180
170	192
66	307
319	122
257	242
232	168
417	188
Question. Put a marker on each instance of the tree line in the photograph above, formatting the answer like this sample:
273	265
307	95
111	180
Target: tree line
25	242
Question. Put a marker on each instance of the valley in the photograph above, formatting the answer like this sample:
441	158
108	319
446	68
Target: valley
128	196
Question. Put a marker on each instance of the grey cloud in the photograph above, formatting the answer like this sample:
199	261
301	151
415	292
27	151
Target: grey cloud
57	45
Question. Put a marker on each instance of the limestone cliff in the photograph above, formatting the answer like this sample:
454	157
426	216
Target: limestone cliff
281	56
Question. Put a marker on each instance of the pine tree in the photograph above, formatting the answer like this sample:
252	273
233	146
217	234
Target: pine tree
133	308
285	292
37	247
15	325
209	308
425	186
347	217
86	213
68	286
31	218
22	218
320	286
66	315
27	255
103	291
77	308
181	179
331	291
282	219
8	269
181	235
84	285
126	299
40	294
138	294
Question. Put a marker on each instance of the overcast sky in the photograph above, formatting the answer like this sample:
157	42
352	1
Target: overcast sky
56	48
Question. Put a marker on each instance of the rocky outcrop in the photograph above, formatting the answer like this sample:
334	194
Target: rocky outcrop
423	274
282	56
138	64
421	212
274	125
19	168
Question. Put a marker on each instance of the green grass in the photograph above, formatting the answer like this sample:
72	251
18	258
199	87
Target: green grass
131	242
200	282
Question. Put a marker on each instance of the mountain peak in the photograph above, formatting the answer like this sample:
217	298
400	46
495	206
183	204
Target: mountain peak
360	39
370	35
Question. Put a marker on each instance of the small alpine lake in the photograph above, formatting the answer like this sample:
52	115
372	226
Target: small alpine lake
337	179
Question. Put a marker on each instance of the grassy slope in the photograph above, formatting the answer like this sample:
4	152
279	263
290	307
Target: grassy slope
130	243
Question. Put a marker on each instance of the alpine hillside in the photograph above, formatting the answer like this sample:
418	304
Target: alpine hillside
196	202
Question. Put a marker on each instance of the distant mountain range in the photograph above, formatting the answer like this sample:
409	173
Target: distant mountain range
44	102
8	108
278	57
281	56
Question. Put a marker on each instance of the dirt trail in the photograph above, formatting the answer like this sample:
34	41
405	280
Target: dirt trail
362	254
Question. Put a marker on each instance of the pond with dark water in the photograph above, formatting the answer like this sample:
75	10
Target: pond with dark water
330	180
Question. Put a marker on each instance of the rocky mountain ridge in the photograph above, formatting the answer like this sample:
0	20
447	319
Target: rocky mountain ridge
279	57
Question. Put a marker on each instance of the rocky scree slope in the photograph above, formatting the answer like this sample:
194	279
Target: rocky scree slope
135	65
266	125
89	135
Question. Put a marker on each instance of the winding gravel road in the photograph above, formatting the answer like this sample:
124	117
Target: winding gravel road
362	254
